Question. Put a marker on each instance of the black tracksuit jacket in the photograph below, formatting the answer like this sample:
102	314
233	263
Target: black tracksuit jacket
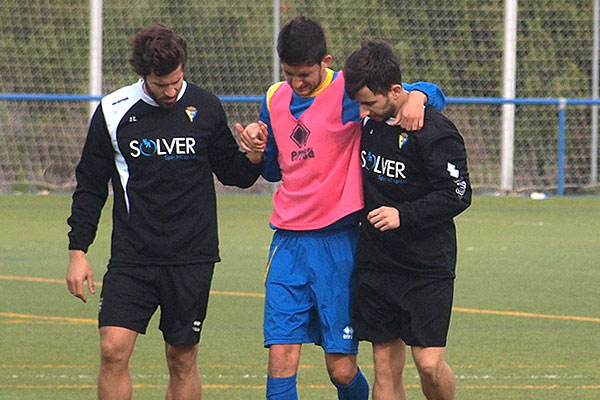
161	164
424	175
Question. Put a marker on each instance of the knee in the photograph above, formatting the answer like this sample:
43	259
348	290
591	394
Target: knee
113	354
343	374
386	370
429	361
343	377
181	360
429	369
383	362
389	359
283	360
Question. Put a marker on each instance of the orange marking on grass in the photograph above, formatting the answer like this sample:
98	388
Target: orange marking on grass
261	295
238	294
45	366
262	387
525	314
46	318
29	279
62	281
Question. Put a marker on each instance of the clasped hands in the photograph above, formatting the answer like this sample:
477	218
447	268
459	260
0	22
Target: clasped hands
253	140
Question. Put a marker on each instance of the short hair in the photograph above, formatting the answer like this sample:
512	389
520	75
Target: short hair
157	49
375	66
301	42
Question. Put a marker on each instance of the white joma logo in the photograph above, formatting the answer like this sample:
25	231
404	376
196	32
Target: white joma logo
451	168
196	326
348	332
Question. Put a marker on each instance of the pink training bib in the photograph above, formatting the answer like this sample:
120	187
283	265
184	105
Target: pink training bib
319	160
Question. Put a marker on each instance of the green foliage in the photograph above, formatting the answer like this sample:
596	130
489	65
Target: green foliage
44	48
458	46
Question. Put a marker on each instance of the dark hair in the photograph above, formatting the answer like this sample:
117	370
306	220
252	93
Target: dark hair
375	66
301	42
157	49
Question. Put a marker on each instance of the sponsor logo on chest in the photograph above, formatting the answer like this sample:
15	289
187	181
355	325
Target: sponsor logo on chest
300	136
382	166
169	148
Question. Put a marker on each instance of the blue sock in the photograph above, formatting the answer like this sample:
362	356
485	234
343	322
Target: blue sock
282	388
358	389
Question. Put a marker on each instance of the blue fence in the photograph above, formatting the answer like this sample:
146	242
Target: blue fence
560	103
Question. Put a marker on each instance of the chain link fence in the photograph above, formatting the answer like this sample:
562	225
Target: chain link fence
44	48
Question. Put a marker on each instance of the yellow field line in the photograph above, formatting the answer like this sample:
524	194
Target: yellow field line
240	294
262	387
46	366
30	279
525	314
62	281
46	318
261	295
302	366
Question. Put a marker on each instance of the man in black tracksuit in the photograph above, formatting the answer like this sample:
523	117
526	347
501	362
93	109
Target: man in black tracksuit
159	141
414	184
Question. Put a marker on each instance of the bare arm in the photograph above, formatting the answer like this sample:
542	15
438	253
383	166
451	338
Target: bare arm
412	114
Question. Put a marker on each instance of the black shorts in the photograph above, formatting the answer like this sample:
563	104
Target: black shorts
131	295
391	305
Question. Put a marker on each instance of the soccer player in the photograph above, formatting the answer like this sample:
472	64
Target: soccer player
313	148
159	141
414	183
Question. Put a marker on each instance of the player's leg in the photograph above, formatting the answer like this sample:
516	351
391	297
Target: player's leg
184	380
379	318
288	314
282	371
430	305
332	264
437	378
342	368
284	360
127	303
346	376
389	359
116	346
184	292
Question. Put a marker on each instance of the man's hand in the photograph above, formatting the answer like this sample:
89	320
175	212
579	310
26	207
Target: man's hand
412	113
253	140
384	218
79	271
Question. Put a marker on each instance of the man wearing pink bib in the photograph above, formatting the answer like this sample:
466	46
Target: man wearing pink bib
313	131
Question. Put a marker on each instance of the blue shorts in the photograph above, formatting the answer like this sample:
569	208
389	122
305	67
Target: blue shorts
308	282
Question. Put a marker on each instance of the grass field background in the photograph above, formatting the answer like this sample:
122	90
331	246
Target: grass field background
526	323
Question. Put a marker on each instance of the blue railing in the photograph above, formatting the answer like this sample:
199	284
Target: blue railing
560	102
85	97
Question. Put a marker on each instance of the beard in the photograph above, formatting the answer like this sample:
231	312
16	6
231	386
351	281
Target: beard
385	115
163	102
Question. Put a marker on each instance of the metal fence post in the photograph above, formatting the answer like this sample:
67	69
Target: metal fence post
509	89
95	52
595	62
562	107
